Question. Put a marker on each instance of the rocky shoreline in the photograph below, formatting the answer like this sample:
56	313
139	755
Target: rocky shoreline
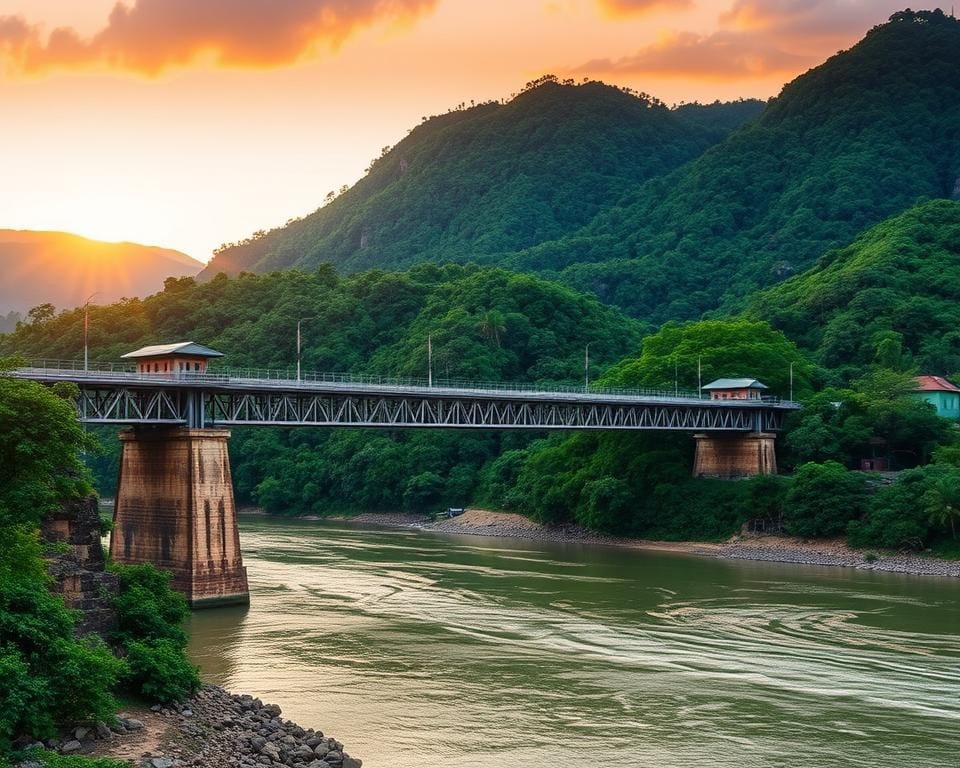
213	728
757	547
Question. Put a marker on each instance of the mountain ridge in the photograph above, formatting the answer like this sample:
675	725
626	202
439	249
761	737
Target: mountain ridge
492	178
63	269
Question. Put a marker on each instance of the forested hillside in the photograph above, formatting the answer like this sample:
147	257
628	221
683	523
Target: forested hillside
892	296
494	178
851	142
485	324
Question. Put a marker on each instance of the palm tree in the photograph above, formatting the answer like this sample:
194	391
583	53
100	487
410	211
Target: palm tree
492	326
942	502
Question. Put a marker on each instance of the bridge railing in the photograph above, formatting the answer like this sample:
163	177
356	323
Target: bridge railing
287	378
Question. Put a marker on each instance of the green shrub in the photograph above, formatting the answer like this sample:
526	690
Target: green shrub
160	670
24	700
898	516
149	615
48	675
823	499
609	503
147	608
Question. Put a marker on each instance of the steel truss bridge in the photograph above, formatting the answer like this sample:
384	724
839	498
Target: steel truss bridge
246	398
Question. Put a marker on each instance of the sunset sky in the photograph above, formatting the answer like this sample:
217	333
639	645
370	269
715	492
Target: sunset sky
187	124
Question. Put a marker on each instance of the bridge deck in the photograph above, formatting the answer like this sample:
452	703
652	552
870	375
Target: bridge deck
243	398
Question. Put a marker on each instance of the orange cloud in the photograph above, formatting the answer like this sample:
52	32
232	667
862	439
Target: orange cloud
754	39
722	55
808	21
151	36
617	8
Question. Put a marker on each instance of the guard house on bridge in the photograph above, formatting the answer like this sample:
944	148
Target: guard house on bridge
735	389
183	357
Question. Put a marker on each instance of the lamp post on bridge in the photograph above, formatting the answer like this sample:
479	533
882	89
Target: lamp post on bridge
586	366
86	328
298	343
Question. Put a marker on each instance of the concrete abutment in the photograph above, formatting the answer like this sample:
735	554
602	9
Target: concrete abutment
730	456
175	509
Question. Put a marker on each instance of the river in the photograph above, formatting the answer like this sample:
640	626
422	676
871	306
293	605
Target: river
437	651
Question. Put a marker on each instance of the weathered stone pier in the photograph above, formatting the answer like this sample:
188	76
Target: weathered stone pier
175	509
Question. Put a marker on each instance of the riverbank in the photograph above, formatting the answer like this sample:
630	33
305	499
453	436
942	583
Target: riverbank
212	728
761	547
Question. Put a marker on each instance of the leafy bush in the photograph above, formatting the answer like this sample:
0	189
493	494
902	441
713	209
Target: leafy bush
823	499
149	615
160	670
147	608
49	676
899	515
609	502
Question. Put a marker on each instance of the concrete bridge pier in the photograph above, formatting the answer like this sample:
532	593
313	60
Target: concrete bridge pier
175	510
729	456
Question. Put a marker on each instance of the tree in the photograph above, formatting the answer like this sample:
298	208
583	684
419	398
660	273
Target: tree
897	515
49	675
823	499
942	500
40	314
492	326
721	348
40	445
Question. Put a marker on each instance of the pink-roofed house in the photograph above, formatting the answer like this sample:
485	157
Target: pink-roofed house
942	394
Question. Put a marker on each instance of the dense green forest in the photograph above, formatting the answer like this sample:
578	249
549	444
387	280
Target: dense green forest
574	182
493	178
640	484
485	324
844	146
489	323
894	293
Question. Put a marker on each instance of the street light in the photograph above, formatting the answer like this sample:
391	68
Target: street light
298	342
429	360
86	327
586	366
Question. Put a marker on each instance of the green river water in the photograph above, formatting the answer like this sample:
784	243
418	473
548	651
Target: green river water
421	649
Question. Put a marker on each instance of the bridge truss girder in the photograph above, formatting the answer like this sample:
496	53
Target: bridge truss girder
212	408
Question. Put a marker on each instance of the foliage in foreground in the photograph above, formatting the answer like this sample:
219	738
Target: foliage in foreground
49	675
149	619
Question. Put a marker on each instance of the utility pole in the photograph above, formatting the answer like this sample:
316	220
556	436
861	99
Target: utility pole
586	366
699	376
86	329
791	382
676	378
298	344
429	359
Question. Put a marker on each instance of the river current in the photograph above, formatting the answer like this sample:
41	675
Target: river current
438	651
